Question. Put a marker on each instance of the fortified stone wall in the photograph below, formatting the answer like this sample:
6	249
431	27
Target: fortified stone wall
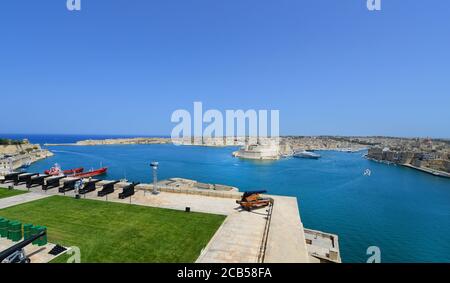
15	149
438	164
375	153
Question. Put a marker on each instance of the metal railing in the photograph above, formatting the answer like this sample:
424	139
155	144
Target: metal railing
263	247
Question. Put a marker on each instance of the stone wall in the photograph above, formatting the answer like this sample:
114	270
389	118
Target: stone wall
438	164
375	153
192	191
15	149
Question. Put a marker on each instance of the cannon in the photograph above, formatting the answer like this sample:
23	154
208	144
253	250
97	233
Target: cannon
11	177
128	191
107	189
252	200
16	253
88	187
52	183
69	185
24	178
37	180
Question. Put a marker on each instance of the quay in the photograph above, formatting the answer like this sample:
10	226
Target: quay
270	234
429	171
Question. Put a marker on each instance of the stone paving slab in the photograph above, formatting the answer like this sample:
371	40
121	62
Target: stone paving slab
197	203
238	240
19	199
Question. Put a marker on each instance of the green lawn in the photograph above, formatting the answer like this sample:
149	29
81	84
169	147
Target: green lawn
4	193
114	232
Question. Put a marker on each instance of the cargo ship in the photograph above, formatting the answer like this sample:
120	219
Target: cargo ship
92	173
56	170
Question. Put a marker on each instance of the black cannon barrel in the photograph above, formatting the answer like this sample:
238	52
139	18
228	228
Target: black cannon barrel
107	189
52	182
23	178
17	247
11	177
128	191
37	180
88	187
69	185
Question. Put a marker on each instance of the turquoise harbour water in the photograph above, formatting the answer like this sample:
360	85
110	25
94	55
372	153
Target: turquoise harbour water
404	212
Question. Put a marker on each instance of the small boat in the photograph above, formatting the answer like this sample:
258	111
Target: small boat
306	154
56	170
91	173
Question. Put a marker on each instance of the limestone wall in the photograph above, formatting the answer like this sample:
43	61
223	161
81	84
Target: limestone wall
15	149
192	191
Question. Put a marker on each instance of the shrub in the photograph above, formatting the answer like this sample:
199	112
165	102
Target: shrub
10	142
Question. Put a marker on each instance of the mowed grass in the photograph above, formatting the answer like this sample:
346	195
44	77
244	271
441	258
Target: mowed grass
115	232
5	193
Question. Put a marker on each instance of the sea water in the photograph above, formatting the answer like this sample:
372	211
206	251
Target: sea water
404	212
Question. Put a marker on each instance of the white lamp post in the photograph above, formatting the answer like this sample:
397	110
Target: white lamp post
154	166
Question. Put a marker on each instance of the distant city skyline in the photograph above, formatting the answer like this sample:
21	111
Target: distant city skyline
329	67
103	136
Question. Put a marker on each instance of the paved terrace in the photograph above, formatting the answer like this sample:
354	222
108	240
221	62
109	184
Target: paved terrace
241	238
19	199
35	253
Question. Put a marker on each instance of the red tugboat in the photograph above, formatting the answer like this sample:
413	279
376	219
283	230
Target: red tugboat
56	170
91	173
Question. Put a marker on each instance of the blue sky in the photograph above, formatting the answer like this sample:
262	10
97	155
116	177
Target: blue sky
123	67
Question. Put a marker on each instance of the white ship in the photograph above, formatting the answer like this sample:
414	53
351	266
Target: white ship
306	154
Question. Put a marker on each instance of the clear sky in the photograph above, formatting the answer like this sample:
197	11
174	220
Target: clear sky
123	67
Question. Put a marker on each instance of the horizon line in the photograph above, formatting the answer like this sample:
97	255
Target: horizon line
165	136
